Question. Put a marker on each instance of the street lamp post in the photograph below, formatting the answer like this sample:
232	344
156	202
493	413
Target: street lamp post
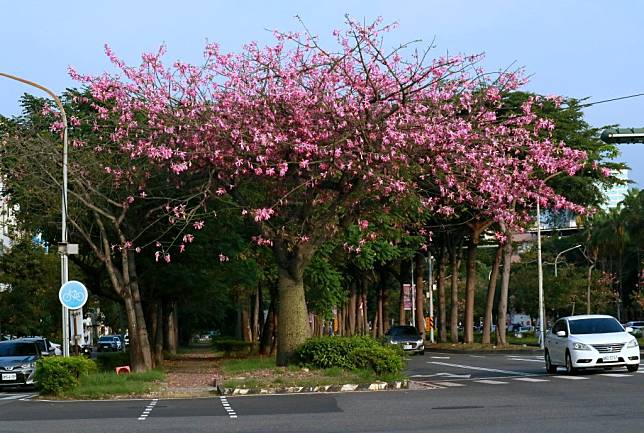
542	326
430	282
64	274
564	251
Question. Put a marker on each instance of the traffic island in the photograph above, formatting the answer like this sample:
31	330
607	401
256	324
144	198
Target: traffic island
347	387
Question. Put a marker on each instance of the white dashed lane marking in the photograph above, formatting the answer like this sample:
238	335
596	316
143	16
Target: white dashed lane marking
491	382
493	370
571	377
531	379
226	405
449	384
615	375
148	409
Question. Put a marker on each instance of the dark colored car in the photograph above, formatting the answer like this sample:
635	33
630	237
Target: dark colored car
407	337
18	362
45	346
110	343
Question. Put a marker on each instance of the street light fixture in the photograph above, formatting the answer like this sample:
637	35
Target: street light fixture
64	273
564	251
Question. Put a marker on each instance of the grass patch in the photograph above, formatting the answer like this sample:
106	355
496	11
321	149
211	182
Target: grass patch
261	372
245	365
106	385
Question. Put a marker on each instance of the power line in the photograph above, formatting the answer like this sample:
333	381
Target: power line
611	100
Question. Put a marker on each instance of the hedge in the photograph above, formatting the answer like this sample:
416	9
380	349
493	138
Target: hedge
56	374
350	353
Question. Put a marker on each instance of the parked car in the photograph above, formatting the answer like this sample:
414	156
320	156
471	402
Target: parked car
110	343
590	341
18	362
637	325
407	337
46	347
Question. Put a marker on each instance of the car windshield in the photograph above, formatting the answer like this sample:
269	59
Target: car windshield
404	331
18	349
105	339
595	326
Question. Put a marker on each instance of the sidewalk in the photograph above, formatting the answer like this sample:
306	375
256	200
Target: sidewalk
191	374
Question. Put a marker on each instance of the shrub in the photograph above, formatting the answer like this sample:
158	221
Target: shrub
380	359
57	374
350	353
108	361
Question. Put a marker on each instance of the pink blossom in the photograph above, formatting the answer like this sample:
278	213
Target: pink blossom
263	214
198	225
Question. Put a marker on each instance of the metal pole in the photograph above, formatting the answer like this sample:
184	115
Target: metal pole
431	297
63	256
564	251
542	325
413	295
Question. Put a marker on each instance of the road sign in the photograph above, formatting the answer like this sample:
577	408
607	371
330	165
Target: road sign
73	295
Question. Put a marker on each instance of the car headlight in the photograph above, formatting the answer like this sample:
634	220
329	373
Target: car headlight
632	343
580	346
27	365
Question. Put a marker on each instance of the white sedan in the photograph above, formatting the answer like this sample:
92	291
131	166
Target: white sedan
590	341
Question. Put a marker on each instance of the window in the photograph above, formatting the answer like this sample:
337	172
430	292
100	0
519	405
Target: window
604	325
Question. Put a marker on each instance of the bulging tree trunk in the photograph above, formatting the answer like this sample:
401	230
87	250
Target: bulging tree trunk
489	300
505	284
170	328
293	323
266	339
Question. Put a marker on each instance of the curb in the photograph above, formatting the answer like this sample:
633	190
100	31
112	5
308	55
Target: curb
348	387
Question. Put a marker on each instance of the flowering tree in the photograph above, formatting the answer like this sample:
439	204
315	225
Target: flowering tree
307	140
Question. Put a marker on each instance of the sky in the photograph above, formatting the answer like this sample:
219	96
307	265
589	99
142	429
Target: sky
582	49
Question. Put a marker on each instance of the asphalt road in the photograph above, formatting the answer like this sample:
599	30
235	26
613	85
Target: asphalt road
459	393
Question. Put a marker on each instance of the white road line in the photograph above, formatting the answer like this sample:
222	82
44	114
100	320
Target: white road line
570	377
231	412
14	396
526	359
531	379
148	409
494	370
615	375
492	382
640	372
477	356
448	384
439	357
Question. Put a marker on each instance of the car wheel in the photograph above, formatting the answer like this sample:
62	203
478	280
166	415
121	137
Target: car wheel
550	368
569	368
633	368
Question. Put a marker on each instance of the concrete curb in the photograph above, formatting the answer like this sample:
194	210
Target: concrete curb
348	387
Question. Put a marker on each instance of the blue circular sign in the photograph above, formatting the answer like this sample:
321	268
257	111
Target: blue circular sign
73	295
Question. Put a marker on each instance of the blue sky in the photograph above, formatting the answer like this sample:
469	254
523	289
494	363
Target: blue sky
572	48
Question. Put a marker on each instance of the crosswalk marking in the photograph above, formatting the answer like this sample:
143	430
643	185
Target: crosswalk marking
471	367
448	384
491	382
615	375
15	396
531	379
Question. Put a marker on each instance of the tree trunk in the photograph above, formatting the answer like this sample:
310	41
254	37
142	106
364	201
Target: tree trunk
489	300
352	309
442	302
401	316
137	359
420	295
502	312
170	330
470	281
256	315
266	339
293	323
158	336
245	319
144	348
456	264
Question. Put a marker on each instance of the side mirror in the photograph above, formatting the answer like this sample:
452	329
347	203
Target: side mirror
629	329
561	333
